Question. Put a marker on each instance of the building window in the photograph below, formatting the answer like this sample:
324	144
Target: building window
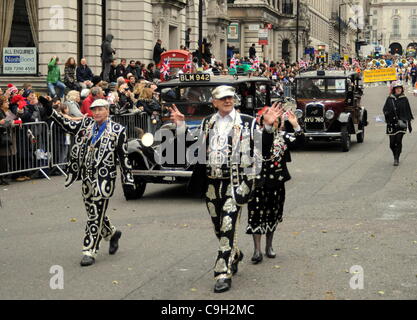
413	27
287	7
396	27
21	33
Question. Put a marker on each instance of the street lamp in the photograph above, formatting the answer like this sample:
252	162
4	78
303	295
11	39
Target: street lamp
200	32
340	28
297	31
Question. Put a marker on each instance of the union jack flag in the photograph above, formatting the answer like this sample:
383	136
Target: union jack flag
166	66
355	63
255	63
233	62
346	65
188	65
303	64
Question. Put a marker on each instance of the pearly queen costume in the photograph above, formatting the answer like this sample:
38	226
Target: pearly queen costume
267	204
228	179
93	160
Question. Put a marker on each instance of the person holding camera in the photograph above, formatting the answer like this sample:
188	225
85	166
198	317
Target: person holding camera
125	98
398	117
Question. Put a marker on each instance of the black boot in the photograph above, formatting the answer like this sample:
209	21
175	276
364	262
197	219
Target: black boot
257	255
236	263
114	242
269	251
396	158
87	261
222	285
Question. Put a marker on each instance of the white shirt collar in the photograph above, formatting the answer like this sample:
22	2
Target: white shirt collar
231	116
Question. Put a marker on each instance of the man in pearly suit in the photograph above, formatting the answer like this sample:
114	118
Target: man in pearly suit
229	173
99	144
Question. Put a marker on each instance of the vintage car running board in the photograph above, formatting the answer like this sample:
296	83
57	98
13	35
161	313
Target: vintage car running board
159	173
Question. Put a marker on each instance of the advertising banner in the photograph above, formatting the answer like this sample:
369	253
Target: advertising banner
387	74
19	61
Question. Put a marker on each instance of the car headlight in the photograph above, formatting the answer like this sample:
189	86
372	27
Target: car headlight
298	113
329	114
147	139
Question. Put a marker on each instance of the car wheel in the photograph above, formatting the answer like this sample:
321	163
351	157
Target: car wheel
345	140
360	137
137	193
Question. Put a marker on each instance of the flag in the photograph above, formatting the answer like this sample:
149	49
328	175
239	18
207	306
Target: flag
346	65
355	62
188	65
166	66
255	63
233	63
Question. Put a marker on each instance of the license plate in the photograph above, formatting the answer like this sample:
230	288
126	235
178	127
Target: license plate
314	120
188	77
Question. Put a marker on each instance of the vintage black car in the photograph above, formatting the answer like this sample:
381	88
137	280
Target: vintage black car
192	94
328	106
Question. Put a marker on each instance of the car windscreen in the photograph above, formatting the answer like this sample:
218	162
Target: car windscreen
190	101
321	88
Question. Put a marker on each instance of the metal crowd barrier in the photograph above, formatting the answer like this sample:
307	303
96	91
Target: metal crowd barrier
132	121
28	149
61	143
287	90
39	145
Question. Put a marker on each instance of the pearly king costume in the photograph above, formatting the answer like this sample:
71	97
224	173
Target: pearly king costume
93	159
228	179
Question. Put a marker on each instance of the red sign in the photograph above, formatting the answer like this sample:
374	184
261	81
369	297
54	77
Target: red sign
177	58
263	36
269	26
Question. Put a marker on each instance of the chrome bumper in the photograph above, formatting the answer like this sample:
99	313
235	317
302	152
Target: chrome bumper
322	134
162	173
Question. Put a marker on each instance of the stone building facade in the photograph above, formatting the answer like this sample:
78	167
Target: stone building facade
394	25
277	19
76	28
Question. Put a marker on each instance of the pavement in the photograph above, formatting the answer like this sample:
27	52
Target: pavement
348	217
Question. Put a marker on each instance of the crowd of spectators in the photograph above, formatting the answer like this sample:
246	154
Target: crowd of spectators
131	90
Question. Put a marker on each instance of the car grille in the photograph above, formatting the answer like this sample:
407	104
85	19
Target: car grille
314	119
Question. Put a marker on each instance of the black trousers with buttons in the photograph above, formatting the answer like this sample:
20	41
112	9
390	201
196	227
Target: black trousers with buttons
224	215
98	225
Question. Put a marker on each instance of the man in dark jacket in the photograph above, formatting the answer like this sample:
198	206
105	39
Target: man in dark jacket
112	73
252	52
84	75
157	51
131	68
107	56
121	69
